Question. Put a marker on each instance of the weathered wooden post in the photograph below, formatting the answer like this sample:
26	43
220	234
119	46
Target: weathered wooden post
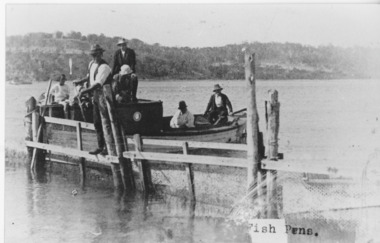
117	139
252	123
82	163
272	112
128	162
189	173
110	142
30	105
143	165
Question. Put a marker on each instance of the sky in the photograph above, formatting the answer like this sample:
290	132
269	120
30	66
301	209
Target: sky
205	25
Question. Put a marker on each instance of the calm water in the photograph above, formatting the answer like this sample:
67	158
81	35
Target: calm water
318	120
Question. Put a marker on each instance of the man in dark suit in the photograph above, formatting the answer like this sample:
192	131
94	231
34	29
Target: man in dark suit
218	107
123	56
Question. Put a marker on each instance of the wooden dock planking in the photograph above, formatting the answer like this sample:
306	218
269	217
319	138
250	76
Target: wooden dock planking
194	159
105	160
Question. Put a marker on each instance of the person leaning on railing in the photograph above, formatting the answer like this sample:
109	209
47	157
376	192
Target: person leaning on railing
99	73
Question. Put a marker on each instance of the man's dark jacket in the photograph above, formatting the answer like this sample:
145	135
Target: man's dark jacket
119	60
211	104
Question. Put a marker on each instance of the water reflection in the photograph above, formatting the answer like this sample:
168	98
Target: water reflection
44	209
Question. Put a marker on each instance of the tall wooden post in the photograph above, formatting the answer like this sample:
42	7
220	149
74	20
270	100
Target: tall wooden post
117	137
252	122
35	128
30	105
82	163
110	141
128	162
143	165
189	173
272	111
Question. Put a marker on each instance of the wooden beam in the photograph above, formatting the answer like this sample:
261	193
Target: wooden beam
189	173
105	160
62	161
194	144
334	168
60	121
195	159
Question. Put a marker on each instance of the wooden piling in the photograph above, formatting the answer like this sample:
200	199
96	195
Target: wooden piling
143	165
272	111
30	106
252	123
35	133
128	162
82	163
109	138
118	138
189	173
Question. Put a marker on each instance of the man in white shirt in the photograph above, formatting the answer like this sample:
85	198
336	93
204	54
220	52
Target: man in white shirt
182	118
99	73
61	93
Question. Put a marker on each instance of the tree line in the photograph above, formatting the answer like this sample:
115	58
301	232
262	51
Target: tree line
38	56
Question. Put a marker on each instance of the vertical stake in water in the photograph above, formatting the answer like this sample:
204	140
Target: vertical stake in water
31	105
272	111
252	122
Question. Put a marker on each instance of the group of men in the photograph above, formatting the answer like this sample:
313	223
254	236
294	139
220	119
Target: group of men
124	82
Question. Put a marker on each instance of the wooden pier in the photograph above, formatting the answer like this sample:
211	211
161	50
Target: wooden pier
127	153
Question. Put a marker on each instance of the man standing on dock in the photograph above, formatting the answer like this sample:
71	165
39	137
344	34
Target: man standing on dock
99	73
123	56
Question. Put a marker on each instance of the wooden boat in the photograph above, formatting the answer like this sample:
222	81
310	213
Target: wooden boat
144	117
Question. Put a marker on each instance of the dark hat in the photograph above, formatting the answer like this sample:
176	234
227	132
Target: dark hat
122	42
63	77
182	104
217	87
96	49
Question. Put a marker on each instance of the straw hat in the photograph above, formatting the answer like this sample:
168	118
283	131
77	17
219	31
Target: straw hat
122	42
217	87
125	69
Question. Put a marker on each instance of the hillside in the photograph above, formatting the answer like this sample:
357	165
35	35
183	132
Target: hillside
37	56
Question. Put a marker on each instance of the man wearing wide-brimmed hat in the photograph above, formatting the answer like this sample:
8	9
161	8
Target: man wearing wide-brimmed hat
218	107
99	73
183	117
123	56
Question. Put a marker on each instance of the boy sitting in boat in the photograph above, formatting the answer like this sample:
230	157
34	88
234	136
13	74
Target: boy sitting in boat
125	85
183	118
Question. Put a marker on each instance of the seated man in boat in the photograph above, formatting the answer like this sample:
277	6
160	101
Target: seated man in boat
218	107
183	117
61	93
125	85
